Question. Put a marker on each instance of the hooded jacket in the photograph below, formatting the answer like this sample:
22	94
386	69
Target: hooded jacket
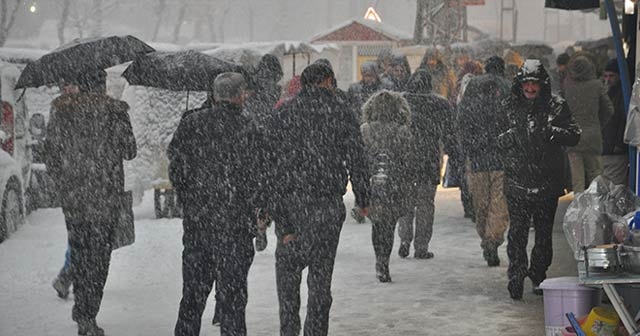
386	129
432	120
589	103
88	137
444	80
532	146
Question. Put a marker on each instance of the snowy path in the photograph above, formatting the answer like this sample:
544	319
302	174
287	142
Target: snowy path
453	294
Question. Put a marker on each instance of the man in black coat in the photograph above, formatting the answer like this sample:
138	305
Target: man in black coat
479	123
539	125
615	153
89	135
216	170
432	127
319	148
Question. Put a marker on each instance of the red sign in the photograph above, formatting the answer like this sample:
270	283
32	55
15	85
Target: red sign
456	3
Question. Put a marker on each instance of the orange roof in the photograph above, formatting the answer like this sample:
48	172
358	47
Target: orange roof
362	30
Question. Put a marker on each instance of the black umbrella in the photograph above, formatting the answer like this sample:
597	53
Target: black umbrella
187	70
81	56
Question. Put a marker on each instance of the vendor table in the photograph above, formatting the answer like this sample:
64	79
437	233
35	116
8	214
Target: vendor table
608	282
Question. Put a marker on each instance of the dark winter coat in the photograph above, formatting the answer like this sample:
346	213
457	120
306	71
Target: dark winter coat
317	148
386	130
88	137
261	103
432	119
613	131
479	121
533	144
589	104
360	92
217	170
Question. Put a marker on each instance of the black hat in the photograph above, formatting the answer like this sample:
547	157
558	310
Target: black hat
563	59
532	71
494	65
324	61
612	66
315	74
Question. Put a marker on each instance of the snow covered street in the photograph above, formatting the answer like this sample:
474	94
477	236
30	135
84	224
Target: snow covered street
453	294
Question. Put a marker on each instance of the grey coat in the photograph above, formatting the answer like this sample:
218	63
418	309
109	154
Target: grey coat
589	104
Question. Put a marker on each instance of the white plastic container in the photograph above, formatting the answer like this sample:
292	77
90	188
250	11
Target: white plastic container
566	295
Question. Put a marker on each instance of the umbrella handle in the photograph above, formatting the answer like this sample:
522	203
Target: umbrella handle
187	100
21	95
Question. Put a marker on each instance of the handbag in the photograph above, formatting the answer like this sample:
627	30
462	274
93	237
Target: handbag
124	231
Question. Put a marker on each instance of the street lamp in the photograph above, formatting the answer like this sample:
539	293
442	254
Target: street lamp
33	8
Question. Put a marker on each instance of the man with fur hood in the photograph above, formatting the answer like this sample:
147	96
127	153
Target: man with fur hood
389	145
432	127
591	107
538	125
89	135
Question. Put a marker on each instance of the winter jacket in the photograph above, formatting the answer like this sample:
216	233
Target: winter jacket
217	167
260	105
479	121
360	92
532	145
432	119
589	104
386	130
613	131
317	147
88	137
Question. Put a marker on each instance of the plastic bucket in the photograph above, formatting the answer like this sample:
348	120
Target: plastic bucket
601	322
566	295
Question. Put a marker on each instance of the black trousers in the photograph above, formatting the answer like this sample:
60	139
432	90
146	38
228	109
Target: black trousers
90	247
382	234
225	261
315	247
522	212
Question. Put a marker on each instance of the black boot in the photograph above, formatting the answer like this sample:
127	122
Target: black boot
491	256
382	271
403	251
516	287
89	328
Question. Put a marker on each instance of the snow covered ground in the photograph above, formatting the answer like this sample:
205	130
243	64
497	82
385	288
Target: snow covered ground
453	294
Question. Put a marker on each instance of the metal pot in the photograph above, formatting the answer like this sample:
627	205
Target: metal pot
630	257
603	257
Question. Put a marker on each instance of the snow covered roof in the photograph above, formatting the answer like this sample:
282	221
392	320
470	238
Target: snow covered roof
278	48
362	30
20	55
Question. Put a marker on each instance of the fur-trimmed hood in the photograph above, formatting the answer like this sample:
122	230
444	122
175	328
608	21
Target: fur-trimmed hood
387	107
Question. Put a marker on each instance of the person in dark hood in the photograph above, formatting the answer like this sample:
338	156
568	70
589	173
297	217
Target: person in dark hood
478	127
615	153
218	172
538	125
591	107
432	128
318	149
267	91
371	83
88	136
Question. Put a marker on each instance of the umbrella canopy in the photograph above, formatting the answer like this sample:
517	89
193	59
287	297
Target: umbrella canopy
81	56
187	70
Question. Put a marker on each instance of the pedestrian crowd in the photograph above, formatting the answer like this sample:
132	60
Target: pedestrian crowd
251	156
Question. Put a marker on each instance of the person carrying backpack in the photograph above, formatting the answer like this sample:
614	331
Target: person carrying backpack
389	146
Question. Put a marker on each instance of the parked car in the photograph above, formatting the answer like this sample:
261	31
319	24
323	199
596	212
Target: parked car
15	152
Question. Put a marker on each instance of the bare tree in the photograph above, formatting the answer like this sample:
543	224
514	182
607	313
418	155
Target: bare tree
159	9
7	21
181	14
64	18
418	32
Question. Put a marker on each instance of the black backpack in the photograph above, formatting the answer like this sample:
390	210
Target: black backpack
384	187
